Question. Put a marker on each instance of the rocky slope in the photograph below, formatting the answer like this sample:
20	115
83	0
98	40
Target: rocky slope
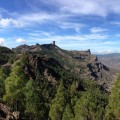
82	63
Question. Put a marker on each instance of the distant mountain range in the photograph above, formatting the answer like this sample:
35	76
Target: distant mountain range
111	60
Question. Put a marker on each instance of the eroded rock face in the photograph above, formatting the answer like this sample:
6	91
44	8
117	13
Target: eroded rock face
26	48
100	73
44	66
6	114
89	67
16	115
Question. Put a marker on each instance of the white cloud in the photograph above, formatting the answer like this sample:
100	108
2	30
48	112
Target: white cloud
60	20
106	51
108	43
71	25
83	7
39	17
31	19
65	9
95	36
5	22
38	33
85	37
117	35
20	40
115	22
46	37
111	43
2	40
10	22
97	30
87	7
9	19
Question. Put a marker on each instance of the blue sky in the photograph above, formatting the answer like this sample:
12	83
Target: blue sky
73	24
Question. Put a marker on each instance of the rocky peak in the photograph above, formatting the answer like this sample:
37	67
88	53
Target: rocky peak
34	48
26	48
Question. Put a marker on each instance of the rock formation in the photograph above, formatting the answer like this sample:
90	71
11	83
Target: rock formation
7	114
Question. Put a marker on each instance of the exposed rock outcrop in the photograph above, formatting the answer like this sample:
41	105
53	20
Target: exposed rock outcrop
44	66
89	67
26	48
7	114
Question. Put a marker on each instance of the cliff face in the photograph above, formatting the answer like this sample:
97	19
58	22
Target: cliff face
89	67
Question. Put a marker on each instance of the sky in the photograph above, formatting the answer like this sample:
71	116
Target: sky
73	24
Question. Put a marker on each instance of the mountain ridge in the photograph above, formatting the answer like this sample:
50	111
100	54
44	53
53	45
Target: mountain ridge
83	63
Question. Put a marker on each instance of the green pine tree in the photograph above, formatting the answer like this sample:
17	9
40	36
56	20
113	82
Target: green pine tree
58	103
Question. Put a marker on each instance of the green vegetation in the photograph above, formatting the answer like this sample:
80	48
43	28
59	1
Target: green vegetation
3	75
58	103
35	106
38	98
113	108
42	89
89	104
5	55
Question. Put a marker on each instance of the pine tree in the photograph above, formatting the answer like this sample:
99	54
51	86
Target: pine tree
35	107
58	103
113	108
3	76
68	114
14	87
